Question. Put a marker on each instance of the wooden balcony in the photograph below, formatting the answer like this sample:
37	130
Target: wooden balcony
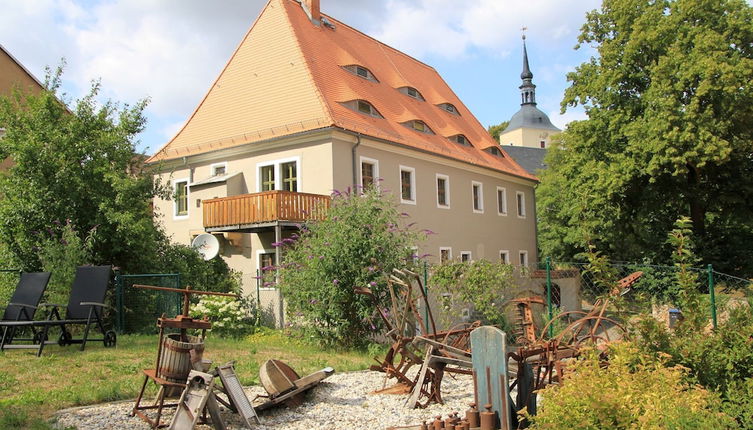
253	212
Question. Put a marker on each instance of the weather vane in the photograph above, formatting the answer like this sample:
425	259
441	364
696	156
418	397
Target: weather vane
523	30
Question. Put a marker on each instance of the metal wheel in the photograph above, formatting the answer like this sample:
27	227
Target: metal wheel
38	338
65	338
110	339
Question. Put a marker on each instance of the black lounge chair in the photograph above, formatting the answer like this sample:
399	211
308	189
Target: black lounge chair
22	307
85	307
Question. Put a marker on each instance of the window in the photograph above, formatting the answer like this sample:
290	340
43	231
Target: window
266	264
443	191
218	169
362	106
461	139
494	151
289	176
504	257
449	108
445	254
180	186
268	178
465	256
418	126
478	197
543	144
411	92
279	175
521	204
361	71
523	258
369	172
407	185
501	201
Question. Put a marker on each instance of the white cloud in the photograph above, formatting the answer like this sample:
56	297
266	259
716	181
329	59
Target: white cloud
572	114
449	28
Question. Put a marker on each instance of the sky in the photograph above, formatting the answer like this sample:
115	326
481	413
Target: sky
171	51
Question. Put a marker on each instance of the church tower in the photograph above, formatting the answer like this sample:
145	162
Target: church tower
529	127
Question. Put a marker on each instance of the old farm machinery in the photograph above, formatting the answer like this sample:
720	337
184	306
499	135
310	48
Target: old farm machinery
420	355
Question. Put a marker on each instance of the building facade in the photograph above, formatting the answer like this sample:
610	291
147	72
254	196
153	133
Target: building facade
307	105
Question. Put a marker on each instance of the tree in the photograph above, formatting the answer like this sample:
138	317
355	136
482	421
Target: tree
357	245
669	133
76	164
496	130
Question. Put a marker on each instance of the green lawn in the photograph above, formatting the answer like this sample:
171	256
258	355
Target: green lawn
32	389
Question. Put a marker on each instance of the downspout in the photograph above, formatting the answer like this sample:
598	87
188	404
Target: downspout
353	155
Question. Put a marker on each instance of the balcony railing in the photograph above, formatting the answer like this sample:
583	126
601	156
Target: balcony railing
265	207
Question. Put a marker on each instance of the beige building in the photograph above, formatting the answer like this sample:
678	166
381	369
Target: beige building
307	105
14	75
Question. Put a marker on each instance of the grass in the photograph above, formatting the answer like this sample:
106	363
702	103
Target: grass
32	389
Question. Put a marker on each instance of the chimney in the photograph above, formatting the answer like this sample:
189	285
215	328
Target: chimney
312	10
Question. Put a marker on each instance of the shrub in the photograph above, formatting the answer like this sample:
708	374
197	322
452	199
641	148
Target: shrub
230	317
479	282
357	245
633	392
61	249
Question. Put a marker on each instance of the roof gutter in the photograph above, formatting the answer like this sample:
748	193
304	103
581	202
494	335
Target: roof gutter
353	155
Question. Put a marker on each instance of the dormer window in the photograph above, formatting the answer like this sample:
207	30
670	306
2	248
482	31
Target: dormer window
461	139
411	92
364	107
494	151
361	71
419	126
449	107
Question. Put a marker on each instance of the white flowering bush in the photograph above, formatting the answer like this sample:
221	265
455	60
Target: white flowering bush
230	317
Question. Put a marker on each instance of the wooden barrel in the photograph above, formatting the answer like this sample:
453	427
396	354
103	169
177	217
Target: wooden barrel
175	360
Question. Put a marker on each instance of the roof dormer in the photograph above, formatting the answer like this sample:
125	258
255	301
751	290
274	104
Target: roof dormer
361	71
412	92
418	125
449	107
494	151
362	106
460	139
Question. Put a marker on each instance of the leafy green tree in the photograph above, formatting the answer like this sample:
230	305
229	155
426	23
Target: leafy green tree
75	163
668	133
357	245
496	130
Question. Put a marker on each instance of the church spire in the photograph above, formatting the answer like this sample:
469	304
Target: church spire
527	89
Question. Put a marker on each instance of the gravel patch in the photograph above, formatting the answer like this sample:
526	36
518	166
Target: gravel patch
343	401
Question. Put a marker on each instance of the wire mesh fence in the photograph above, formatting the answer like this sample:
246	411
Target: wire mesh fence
138	309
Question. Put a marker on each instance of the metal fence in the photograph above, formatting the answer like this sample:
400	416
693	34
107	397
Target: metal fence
137	308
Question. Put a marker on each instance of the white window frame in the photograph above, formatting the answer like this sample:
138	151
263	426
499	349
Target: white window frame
259	252
376	170
504	256
523	254
213	166
278	173
468	253
504	201
480	210
520	202
412	171
449	253
188	199
446	190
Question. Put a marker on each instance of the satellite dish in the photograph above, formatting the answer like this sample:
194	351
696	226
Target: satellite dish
207	245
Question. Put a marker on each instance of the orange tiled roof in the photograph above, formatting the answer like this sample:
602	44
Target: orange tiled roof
319	85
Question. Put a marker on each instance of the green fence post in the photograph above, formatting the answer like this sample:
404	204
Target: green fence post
178	297
426	294
258	297
119	319
712	295
549	294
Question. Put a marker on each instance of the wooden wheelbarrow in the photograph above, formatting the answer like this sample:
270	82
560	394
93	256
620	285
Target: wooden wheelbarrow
285	386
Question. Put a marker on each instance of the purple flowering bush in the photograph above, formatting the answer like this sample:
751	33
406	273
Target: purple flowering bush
361	240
